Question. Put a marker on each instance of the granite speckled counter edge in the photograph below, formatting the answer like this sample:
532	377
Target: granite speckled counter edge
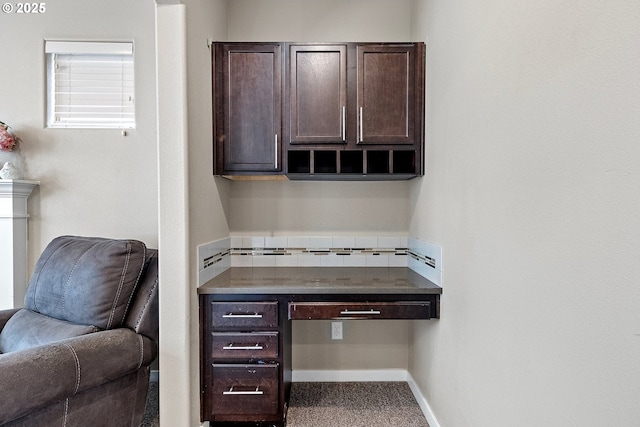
319	280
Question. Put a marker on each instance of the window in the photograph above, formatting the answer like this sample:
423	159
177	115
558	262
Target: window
90	85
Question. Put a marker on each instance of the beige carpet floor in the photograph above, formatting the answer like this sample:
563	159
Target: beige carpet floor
354	404
327	404
152	411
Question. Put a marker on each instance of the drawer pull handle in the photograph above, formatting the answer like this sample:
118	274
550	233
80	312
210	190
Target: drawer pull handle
238	316
257	391
250	347
348	312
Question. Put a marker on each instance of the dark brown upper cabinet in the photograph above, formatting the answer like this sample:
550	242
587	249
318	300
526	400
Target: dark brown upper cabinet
350	111
316	88
247	93
386	94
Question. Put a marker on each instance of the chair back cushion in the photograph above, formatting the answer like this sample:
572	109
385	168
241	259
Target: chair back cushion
27	329
86	280
143	313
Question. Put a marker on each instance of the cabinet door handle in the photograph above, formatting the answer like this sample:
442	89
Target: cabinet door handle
361	137
276	151
248	315
257	391
249	347
372	311
344	123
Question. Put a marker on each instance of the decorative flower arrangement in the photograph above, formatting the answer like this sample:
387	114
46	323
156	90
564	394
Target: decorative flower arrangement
7	140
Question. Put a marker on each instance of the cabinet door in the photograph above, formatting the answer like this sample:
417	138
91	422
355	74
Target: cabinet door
251	105
386	94
317	91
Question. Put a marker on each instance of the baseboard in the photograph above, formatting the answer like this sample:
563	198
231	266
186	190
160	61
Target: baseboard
369	375
422	402
360	375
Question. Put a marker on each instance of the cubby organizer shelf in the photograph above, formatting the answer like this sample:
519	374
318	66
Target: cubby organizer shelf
374	164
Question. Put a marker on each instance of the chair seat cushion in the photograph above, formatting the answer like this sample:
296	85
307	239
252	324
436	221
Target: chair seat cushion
27	329
86	280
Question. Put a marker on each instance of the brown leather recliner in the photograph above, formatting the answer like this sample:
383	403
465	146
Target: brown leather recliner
78	354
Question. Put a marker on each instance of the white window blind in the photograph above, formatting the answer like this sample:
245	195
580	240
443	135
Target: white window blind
90	85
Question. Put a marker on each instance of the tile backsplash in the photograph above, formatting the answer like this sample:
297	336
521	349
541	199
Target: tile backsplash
425	259
318	251
323	251
213	259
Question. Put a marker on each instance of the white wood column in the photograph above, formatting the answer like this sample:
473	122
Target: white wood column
13	241
179	368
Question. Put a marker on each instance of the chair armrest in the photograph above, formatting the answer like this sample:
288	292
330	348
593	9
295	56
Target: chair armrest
38	376
5	315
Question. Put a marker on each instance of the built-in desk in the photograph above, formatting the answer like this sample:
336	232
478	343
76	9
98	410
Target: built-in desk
245	328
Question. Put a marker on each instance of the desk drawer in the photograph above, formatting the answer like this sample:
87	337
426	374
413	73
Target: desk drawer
245	389
360	310
244	315
255	345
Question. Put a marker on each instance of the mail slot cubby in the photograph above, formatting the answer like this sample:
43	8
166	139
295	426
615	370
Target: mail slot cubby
404	161
377	161
351	162
299	161
325	161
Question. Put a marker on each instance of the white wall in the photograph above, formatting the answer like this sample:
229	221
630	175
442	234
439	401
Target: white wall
266	208
532	190
319	21
93	182
208	195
